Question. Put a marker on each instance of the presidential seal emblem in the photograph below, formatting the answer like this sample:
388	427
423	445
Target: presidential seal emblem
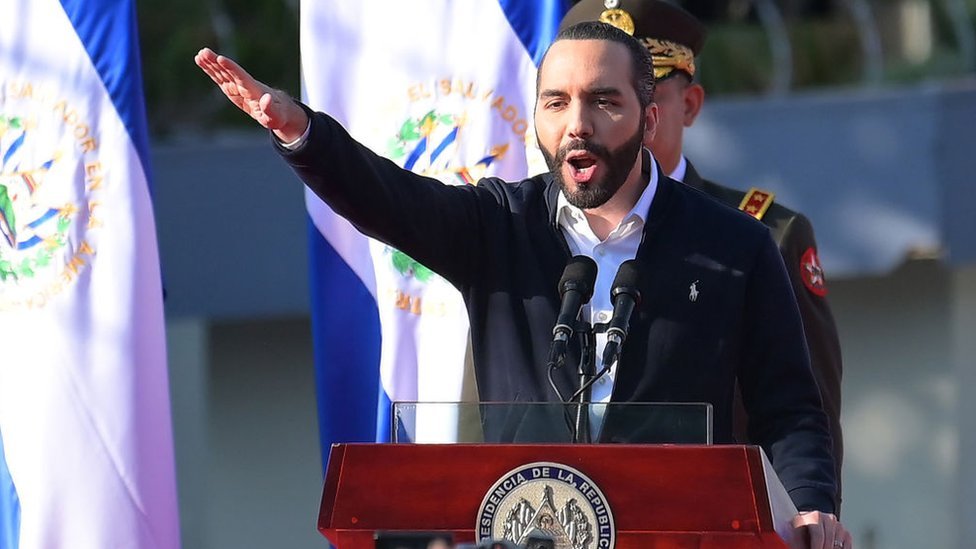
456	130
548	499
426	144
50	177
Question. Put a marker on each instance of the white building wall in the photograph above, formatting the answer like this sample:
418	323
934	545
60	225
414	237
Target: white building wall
964	360
899	407
255	479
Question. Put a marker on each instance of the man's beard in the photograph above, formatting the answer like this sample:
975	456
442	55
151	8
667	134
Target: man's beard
619	163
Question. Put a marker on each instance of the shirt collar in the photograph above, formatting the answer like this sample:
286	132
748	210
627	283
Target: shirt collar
680	170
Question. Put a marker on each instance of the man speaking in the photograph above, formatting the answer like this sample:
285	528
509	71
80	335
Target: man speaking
716	303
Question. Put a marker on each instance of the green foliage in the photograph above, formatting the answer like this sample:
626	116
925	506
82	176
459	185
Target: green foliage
263	35
944	63
260	34
826	52
736	59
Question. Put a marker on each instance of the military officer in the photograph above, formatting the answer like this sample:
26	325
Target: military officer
674	38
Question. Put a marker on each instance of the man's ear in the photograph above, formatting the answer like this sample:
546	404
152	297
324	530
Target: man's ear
650	123
694	98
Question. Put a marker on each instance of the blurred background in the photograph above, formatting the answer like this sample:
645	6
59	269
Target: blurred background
858	113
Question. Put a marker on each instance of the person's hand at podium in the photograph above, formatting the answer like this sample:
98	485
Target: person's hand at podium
821	531
273	109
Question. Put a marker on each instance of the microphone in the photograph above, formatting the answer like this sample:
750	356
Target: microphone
575	290
625	297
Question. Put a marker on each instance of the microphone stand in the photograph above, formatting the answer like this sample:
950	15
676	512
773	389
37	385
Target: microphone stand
578	419
588	376
587	371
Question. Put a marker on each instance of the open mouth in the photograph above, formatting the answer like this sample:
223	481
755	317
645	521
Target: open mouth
582	166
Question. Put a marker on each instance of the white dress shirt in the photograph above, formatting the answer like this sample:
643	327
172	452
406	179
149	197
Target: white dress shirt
619	246
679	171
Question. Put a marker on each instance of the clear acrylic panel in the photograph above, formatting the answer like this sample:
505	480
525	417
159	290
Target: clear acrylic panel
551	423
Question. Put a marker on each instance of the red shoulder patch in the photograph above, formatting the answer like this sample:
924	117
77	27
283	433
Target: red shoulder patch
812	273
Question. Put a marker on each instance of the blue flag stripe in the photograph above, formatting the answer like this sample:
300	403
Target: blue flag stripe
9	506
384	421
13	148
535	23
346	382
110	36
353	404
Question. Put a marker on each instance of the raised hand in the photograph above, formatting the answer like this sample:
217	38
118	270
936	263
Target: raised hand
272	108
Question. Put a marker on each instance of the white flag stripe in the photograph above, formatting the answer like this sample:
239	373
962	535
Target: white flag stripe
376	65
84	400
351	245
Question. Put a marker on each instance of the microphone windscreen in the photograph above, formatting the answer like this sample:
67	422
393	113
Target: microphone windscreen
626	280
579	275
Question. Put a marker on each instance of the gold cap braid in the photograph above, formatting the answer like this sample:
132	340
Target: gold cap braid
669	56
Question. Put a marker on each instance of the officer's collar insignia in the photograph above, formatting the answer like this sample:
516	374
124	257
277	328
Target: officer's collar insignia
756	202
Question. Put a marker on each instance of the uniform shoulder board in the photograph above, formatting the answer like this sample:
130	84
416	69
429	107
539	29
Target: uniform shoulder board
756	202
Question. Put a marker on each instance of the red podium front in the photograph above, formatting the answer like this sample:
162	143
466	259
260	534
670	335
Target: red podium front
658	496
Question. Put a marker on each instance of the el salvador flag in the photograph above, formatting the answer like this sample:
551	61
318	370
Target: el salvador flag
444	88
86	456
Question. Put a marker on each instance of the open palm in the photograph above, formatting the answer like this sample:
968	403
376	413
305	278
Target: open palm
272	108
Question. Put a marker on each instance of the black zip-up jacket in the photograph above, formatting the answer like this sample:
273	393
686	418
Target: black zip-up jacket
793	234
500	245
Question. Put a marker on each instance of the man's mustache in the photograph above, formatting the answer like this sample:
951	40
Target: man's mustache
581	145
